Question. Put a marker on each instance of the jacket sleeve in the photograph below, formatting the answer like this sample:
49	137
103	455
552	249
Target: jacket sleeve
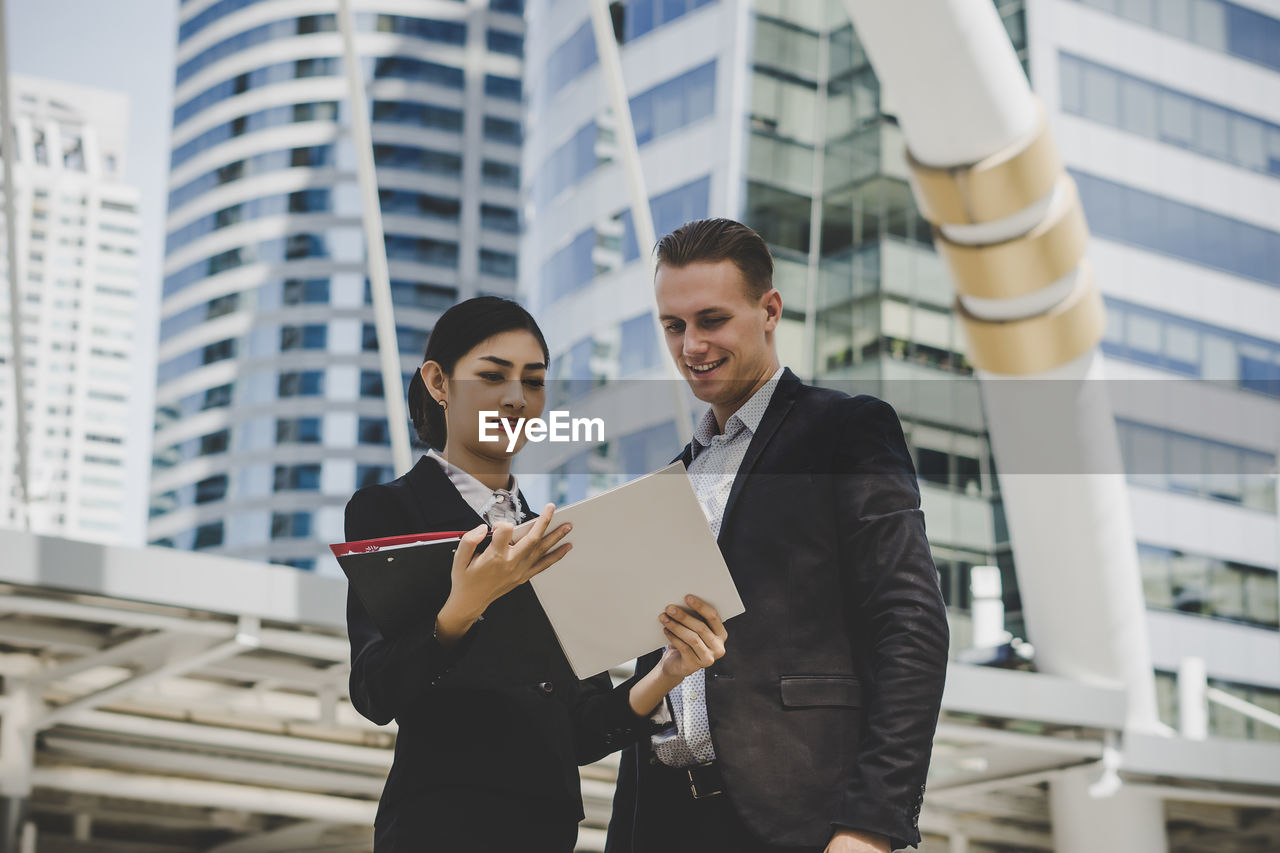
388	675
602	719
897	613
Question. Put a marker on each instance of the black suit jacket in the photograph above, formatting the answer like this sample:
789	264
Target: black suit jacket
526	741
824	706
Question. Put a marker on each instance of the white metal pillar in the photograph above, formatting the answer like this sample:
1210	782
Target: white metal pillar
375	246
1008	223
641	213
1129	820
21	707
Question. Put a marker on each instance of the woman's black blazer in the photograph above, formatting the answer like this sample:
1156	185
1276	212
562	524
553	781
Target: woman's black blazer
526	741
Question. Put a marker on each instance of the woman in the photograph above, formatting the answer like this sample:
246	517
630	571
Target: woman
487	769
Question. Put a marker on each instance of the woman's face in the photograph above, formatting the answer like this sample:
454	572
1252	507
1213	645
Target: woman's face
505	373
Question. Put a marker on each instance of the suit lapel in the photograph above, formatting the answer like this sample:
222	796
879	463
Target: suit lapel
784	396
436	498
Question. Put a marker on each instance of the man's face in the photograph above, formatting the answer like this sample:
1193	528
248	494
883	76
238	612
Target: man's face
719	336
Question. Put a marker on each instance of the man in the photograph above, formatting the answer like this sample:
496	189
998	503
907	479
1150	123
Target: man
813	731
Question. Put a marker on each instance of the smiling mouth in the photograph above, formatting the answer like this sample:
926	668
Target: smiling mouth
706	368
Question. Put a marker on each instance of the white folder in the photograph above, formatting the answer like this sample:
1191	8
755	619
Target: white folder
636	549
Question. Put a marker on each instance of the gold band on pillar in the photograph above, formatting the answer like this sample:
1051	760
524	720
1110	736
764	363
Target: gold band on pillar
1024	264
998	186
1035	344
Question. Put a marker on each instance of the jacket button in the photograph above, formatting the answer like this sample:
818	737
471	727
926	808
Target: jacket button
546	686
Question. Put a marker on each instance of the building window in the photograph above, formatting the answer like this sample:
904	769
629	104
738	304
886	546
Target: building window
300	291
669	210
511	44
301	478
290	525
422	250
373	431
497	218
208	536
497	174
298	430
422	205
414	159
410	341
1157	112
253	122
445	32
215	443
570	269
1159	224
418	71
502	130
1214	24
507	88
312	336
1163	459
306	564
674	104
301	383
497	263
211	489
1191	348
418	115
415	294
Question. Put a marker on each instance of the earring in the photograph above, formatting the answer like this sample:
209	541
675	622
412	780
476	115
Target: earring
444	405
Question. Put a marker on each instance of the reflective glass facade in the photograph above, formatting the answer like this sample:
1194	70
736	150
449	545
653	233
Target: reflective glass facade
266	338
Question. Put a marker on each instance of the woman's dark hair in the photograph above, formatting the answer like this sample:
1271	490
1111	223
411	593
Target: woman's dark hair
456	333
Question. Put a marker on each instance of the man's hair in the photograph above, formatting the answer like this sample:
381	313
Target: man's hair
713	240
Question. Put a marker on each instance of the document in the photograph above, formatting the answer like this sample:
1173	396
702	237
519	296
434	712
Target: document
636	549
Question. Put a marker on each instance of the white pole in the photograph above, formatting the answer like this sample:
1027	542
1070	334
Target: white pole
812	272
641	215
1070	529
987	606
375	247
9	143
1193	699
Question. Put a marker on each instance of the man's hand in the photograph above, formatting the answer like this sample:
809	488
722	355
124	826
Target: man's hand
695	640
856	841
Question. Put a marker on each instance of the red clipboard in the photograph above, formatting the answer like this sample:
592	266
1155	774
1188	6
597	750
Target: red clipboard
363	546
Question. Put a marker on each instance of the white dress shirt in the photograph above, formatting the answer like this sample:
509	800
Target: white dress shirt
716	459
493	505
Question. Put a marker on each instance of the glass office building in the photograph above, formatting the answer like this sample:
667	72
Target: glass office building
77	225
269	407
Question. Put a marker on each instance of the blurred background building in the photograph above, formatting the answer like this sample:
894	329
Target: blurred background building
269	406
76	222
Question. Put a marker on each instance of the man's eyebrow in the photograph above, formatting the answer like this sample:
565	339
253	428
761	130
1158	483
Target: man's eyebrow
705	311
502	362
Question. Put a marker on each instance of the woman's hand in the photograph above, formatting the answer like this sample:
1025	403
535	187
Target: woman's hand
503	566
695	641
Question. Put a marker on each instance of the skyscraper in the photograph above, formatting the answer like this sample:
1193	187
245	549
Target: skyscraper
269	407
77	240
